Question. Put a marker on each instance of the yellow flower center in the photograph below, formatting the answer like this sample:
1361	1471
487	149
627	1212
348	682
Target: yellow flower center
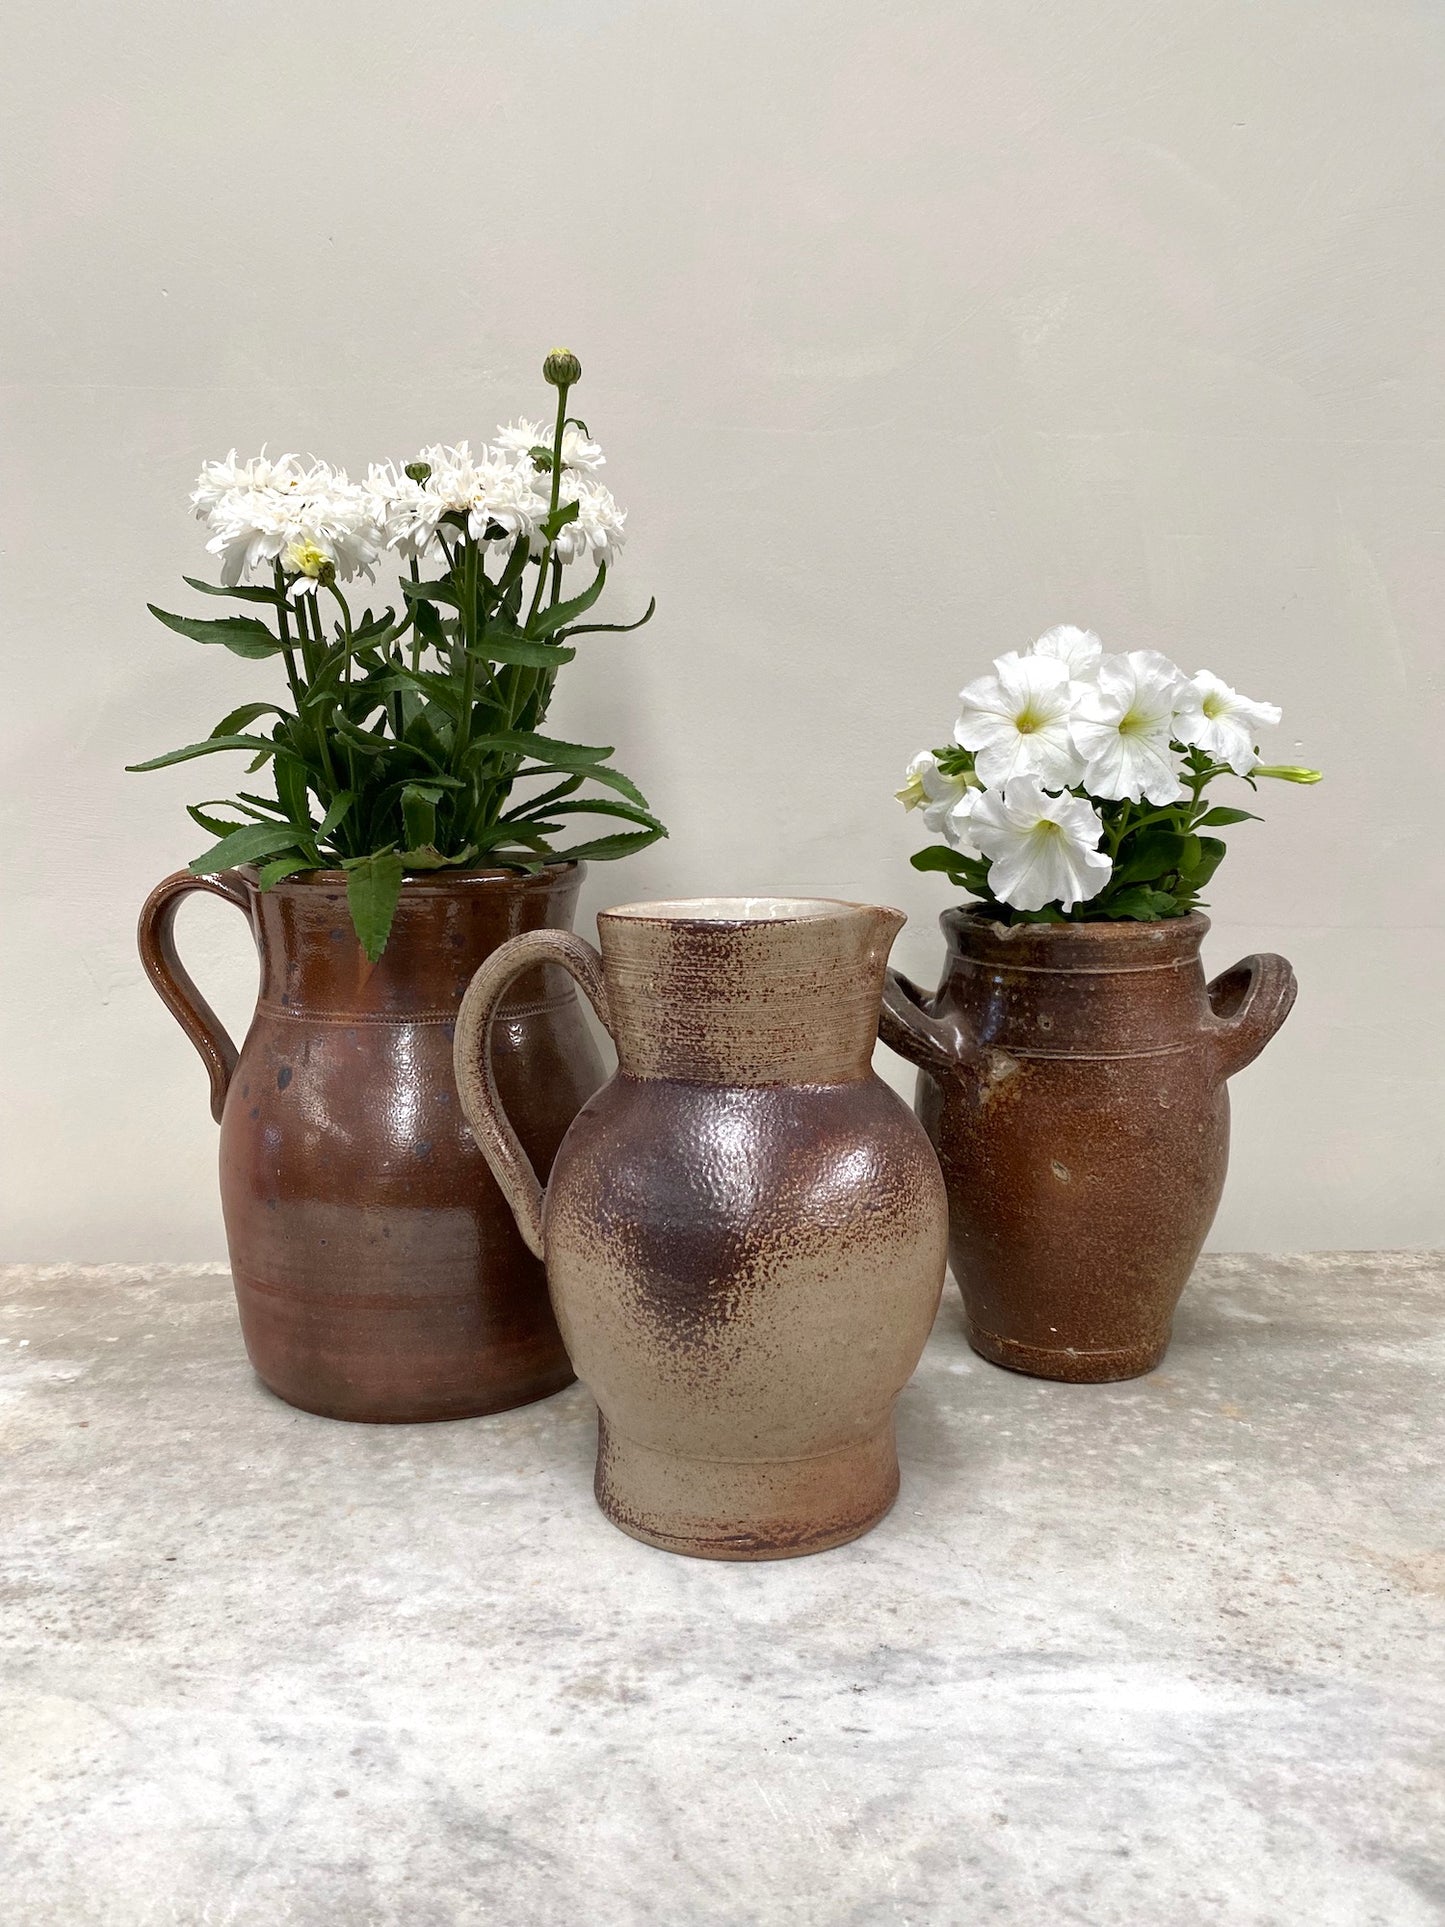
1213	704
306	559
1028	720
1131	723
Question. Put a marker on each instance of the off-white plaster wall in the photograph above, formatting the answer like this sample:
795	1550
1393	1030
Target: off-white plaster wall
910	330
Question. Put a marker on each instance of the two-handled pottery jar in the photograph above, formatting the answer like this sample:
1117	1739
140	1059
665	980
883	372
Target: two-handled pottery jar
1073	1080
745	1230
378	1271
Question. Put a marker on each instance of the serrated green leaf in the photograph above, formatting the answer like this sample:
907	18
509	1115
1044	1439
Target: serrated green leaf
243	635
613	779
615	628
419	815
337	813
548	749
594	806
213	825
522	652
249	845
247	713
373	889
549	621
443	590
242	592
552	525
211	746
604	848
282	866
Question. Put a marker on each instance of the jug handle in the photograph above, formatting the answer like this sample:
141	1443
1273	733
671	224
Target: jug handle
1250	1001
472	1061
939	1045
155	936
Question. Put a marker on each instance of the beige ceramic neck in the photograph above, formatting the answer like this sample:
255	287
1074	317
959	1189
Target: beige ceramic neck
746	990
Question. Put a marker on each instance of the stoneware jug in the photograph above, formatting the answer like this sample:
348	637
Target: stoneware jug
1073	1079
745	1231
378	1270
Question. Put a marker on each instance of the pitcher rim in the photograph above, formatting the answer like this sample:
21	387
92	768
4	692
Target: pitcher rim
415	880
713	913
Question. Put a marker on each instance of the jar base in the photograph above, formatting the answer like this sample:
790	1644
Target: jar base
745	1509
426	1411
1066	1365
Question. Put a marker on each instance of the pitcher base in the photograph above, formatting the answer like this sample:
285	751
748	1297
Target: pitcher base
1066	1365
745	1509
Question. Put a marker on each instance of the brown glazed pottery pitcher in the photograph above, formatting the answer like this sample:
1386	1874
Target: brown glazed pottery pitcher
745	1230
378	1271
1073	1080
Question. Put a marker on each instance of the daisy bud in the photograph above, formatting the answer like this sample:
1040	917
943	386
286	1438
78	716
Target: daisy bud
326	574
1288	773
562	368
418	471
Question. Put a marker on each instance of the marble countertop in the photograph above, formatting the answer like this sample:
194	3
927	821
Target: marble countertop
1167	1651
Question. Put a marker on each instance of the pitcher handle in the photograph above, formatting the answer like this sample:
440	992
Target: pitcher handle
472	1061
155	936
1250	1001
935	1044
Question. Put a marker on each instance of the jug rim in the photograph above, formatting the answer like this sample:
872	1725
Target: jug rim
740	913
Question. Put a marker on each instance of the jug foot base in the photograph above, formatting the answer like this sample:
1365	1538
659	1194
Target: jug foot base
1070	1367
421	1410
748	1509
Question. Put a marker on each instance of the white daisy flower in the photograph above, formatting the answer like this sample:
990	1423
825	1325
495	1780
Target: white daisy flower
579	451
219	481
598	534
1017	721
1078	650
1123	727
1209	715
491	487
1042	849
261	513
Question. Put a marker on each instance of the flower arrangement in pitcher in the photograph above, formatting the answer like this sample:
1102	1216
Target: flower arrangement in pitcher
1076	784
412	740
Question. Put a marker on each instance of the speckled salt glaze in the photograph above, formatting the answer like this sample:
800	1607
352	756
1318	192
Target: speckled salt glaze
745	1230
1073	1079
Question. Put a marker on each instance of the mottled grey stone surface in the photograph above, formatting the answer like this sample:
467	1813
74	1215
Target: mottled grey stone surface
1150	1653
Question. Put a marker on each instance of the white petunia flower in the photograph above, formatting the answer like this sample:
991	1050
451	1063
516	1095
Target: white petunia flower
579	451
1209	715
957	821
1078	650
1042	849
1017	721
597	535
1123	727
927	788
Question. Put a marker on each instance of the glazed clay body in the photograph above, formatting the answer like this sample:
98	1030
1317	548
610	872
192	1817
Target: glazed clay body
1073	1079
378	1271
745	1229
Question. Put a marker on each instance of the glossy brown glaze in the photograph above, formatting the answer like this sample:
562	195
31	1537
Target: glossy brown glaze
745	1229
1073	1080
379	1272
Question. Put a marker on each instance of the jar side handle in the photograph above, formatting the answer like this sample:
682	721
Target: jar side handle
1249	1001
939	1045
156	940
472	1062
